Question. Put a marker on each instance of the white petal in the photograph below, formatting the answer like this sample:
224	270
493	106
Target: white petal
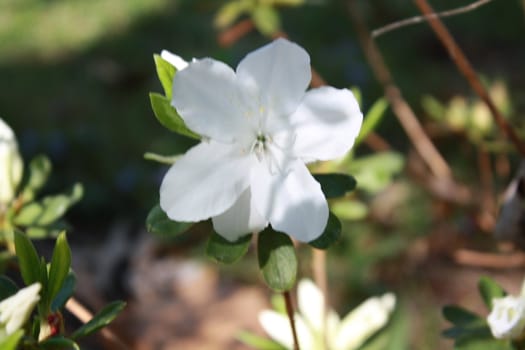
326	124
176	61
364	321
311	302
278	328
240	219
293	201
16	309
204	182
279	73
206	97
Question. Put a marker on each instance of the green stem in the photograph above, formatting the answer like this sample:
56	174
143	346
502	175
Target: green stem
290	312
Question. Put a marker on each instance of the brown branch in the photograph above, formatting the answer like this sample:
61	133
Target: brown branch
84	316
489	260
424	147
419	19
468	72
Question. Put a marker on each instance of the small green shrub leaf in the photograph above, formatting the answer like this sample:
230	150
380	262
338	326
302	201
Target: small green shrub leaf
331	233
223	251
335	185
161	225
100	320
168	116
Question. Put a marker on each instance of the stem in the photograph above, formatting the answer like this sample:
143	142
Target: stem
466	69
319	272
290	313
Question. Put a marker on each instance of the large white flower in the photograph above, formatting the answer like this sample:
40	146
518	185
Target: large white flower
15	310
335	334
260	126
10	163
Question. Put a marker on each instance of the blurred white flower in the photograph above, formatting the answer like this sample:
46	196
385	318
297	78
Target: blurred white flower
347	334
15	310
507	318
11	165
260	126
176	61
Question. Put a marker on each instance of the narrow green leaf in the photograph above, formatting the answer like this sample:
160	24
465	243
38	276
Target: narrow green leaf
166	73
489	290
168	116
352	210
330	235
7	287
60	265
372	119
257	342
335	185
229	12
39	170
100	320
66	292
27	258
223	251
160	224
459	316
266	19
11	341
57	343
277	260
434	108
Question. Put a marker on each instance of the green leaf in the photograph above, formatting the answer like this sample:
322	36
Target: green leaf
331	233
266	19
358	95
223	251
59	267
335	185
375	172
166	73
49	209
66	292
58	342
257	342
277	260
434	108
27	258
7	287
372	119
49	231
160	224
168	116
39	170
100	320
11	341
489	290
460	317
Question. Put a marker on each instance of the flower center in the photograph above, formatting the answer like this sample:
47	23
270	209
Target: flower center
259	146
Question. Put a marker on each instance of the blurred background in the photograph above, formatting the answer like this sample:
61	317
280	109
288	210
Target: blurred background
74	82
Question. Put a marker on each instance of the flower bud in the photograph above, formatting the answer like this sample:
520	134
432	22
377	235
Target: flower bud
15	310
11	165
507	318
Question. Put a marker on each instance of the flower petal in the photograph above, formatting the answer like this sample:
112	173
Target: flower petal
279	74
204	182
311	303
292	201
364	321
326	124
278	328
240	219
206	97
175	60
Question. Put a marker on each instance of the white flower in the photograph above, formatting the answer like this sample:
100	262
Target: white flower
507	318
11	165
15	310
260	127
176	61
312	332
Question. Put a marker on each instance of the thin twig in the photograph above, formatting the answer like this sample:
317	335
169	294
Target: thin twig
419	19
84	316
319	273
290	313
489	260
424	147
465	68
